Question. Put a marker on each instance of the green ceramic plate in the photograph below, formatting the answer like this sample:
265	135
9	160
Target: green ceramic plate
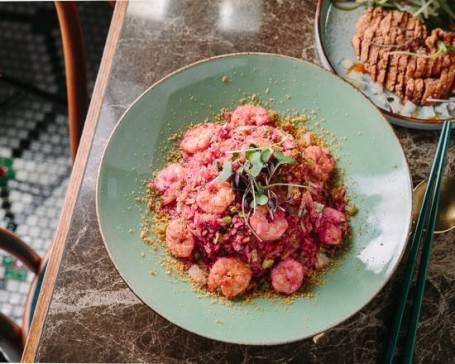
376	171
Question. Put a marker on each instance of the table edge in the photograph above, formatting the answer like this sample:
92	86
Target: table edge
58	245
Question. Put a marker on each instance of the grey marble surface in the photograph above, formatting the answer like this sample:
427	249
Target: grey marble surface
94	317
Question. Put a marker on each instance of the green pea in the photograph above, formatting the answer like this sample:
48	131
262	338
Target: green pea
353	210
267	263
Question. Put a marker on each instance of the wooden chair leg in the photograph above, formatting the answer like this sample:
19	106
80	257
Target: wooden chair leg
75	69
10	339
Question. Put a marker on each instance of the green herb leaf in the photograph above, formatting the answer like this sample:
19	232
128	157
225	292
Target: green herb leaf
283	159
250	152
266	154
442	46
262	200
260	188
226	173
257	164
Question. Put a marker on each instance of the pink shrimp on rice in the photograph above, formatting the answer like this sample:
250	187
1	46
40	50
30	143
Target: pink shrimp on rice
266	228
287	276
320	162
231	274
216	197
179	238
198	139
251	204
332	232
250	115
169	182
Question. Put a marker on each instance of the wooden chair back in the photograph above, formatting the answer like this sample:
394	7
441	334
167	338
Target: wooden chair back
75	69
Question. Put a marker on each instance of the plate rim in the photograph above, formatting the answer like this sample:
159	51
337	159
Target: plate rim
416	122
257	342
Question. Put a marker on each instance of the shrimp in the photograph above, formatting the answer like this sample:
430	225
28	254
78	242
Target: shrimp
216	197
289	141
231	274
287	276
179	238
170	182
321	164
331	232
265	228
333	215
250	115
198	139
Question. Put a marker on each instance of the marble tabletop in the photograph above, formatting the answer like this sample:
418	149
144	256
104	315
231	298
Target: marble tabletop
94	317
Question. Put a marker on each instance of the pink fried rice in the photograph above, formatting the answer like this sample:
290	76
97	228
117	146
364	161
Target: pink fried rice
317	221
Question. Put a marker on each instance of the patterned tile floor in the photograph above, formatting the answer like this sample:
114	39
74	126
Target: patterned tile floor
34	146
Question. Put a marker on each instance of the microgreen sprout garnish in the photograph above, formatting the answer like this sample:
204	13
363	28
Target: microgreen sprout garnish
254	148
253	178
443	49
352	5
434	13
226	172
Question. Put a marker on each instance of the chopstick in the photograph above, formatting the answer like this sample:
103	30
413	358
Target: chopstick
426	251
427	215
